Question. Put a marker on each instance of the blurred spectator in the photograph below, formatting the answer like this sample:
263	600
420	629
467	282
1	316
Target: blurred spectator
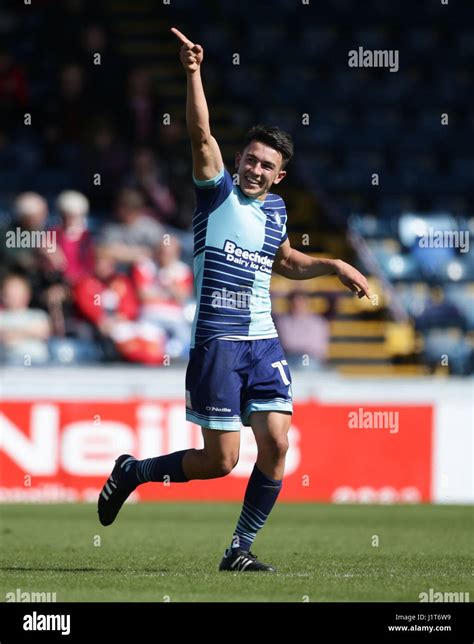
107	299
74	249
170	146
13	91
65	20
71	259
147	176
105	68
108	157
140	116
31	212
439	313
164	285
136	234
67	112
105	296
13	85
24	332
303	333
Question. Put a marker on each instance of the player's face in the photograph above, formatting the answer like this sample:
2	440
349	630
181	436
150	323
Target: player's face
258	167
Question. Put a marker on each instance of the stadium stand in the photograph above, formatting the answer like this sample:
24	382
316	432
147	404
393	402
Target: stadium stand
377	169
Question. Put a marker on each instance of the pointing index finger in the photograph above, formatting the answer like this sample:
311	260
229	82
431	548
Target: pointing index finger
182	37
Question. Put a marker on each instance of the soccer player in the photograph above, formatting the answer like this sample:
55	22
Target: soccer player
237	372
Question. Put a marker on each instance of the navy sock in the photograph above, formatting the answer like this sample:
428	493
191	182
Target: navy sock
260	497
168	468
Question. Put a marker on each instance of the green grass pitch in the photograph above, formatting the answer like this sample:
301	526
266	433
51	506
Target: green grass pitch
170	552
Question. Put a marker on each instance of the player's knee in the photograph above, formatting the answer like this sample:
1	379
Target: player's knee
224	465
277	447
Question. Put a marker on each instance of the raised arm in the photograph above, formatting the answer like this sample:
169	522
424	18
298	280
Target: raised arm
297	266
207	158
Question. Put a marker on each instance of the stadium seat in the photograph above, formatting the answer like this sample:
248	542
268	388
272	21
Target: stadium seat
317	41
370	226
50	181
71	351
462	295
413	297
413	225
466	44
448	347
457	269
11	182
399	266
422	40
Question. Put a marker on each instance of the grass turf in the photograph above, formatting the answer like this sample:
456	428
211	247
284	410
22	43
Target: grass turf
170	552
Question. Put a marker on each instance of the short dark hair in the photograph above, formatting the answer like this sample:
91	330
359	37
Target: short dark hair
274	137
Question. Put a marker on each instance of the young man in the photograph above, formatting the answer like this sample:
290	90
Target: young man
237	371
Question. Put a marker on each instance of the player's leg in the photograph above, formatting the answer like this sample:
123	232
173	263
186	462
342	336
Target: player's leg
267	408
212	401
217	458
270	429
271	434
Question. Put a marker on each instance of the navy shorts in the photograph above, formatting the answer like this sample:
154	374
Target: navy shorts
227	380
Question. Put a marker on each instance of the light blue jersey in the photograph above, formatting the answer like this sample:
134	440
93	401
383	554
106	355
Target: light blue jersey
235	241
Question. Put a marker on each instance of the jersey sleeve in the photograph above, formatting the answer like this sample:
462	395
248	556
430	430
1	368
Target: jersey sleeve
211	193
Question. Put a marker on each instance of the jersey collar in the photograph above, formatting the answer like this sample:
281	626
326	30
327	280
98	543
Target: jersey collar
263	204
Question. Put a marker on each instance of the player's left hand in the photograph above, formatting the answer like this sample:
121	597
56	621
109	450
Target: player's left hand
191	54
355	281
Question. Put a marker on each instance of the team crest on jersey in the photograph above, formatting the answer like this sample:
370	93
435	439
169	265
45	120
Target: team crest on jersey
277	219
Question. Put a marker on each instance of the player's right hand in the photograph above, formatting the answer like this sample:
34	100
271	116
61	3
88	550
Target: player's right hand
191	55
